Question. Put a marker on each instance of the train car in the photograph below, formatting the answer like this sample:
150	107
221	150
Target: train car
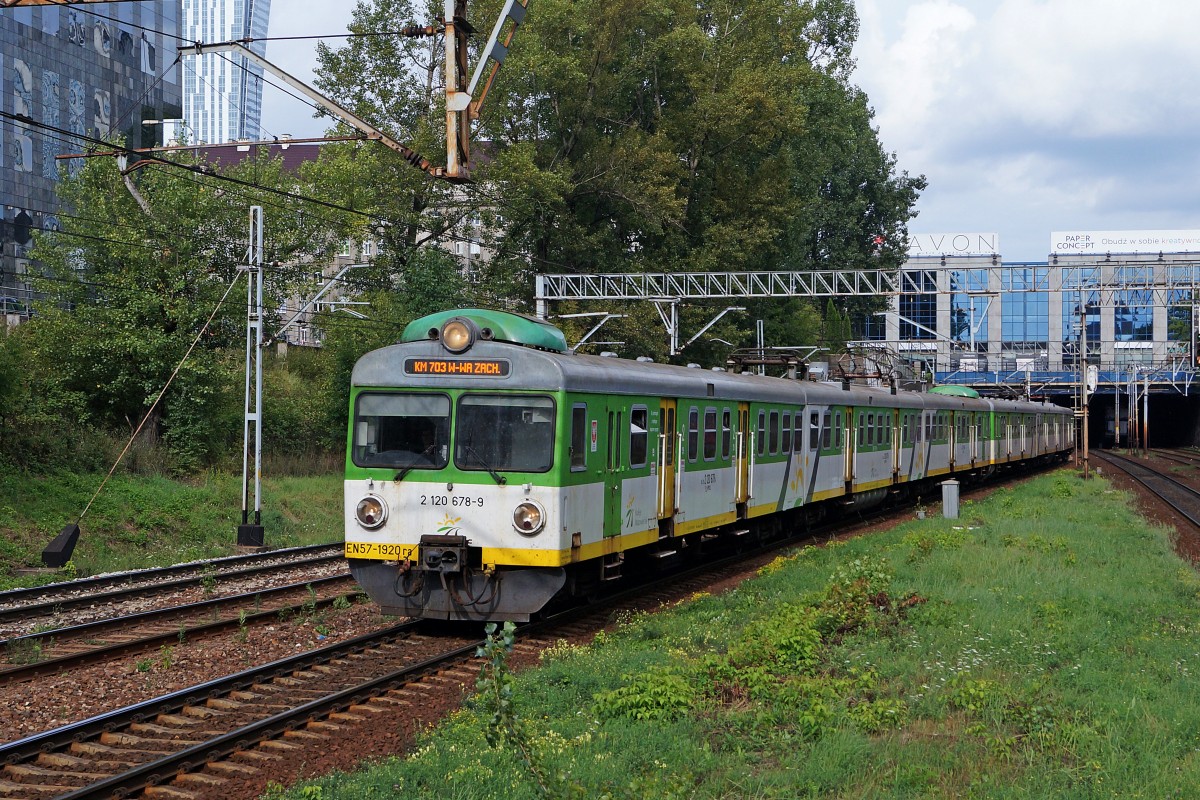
489	470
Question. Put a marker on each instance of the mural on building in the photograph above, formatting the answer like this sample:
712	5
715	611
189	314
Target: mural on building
51	115
101	113
76	109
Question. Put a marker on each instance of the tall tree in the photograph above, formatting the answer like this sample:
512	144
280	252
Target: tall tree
639	135
139	266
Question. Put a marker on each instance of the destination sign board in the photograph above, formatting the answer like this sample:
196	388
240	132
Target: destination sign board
474	367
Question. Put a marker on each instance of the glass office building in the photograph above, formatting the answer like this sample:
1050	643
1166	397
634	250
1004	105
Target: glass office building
73	71
222	92
973	318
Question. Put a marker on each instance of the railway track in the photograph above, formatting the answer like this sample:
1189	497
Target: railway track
49	652
22	610
1187	457
1178	496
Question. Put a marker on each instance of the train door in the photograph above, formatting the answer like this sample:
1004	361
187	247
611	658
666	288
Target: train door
973	437
951	437
612	467
897	439
851	453
741	481
668	444
904	449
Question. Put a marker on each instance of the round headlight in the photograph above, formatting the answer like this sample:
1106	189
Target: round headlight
528	518
457	335
371	512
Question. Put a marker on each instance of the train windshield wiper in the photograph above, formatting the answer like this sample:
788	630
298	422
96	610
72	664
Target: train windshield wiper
500	479
428	451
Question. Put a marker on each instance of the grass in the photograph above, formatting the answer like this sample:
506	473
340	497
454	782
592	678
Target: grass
1043	645
153	521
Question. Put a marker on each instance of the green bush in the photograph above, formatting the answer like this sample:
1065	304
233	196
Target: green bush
657	694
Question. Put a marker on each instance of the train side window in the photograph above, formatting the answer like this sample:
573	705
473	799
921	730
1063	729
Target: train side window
762	432
710	434
838	430
827	430
905	429
774	446
639	437
814	429
579	438
726	434
870	429
881	429
862	428
786	443
693	433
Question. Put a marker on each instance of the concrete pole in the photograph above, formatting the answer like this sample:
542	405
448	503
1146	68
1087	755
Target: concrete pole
1083	391
250	534
1117	410
1146	418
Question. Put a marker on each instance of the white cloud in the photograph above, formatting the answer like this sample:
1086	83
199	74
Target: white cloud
1028	116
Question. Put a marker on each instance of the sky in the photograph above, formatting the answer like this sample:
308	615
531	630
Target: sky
1026	117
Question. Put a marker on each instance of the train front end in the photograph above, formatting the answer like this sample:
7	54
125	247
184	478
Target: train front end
451	503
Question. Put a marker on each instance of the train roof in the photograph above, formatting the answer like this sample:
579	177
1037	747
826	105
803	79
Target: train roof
536	358
542	370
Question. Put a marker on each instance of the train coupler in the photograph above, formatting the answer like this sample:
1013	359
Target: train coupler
446	554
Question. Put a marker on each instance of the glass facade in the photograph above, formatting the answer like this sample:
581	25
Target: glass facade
1133	315
78	73
968	307
222	92
1138	309
918	312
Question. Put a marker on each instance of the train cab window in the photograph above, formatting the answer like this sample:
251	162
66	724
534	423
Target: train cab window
401	430
710	434
762	432
726	434
786	443
579	438
827	430
693	434
511	433
774	448
639	437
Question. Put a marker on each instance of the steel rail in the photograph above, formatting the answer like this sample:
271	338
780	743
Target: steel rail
53	666
48	741
12	612
1178	496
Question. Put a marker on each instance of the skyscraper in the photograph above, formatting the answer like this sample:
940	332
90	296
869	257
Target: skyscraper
95	71
222	93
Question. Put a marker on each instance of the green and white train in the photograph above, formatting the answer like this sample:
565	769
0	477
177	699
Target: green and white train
490	470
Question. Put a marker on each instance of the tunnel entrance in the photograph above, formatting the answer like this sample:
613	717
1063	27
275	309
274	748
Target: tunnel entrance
1171	419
